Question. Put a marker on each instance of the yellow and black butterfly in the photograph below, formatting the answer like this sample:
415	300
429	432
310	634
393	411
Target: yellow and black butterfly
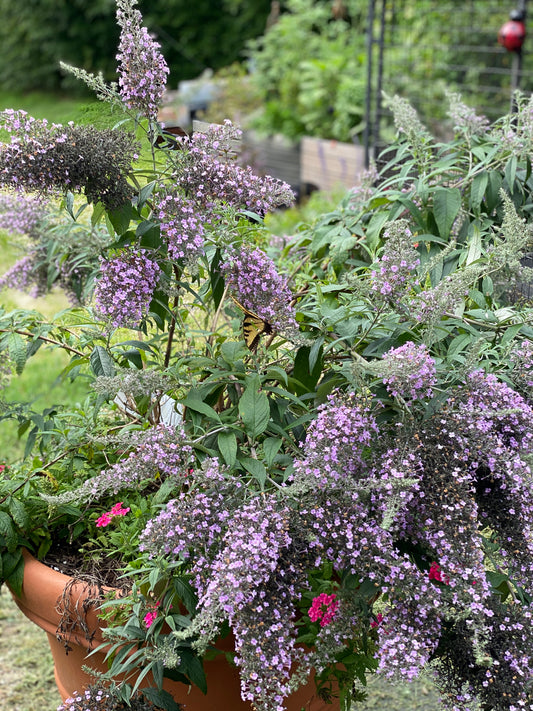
253	327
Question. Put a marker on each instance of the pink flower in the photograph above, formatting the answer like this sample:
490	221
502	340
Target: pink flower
150	617
116	510
104	520
435	573
323	608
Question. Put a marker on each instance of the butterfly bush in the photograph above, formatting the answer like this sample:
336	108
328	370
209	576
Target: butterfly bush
142	68
357	500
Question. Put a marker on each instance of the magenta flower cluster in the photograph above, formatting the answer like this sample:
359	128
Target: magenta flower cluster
323	608
142	68
125	287
258	286
116	510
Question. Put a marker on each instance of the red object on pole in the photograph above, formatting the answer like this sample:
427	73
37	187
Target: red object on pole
512	35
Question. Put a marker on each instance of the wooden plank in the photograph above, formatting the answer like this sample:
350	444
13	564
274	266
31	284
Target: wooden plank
328	164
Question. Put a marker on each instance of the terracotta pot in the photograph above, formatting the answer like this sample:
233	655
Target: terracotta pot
43	589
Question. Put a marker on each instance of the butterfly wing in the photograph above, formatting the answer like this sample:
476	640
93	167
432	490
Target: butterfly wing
170	137
253	327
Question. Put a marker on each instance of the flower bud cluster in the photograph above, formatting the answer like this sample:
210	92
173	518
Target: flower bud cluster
43	157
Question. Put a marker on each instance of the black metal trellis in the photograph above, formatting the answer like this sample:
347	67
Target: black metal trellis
420	50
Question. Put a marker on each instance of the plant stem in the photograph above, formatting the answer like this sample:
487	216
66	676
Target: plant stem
53	341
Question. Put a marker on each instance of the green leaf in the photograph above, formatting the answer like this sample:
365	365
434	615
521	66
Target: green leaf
144	193
492	193
193	668
98	211
7	531
254	410
474	244
194	403
446	206
510	333
303	373
161	698
227	443
16	347
101	362
13	570
121	217
256	468
271	447
217	280
510	171
18	512
477	191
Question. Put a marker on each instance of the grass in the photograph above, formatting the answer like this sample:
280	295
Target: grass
26	666
57	108
40	383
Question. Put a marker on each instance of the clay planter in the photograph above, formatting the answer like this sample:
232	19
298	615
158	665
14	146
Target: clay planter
42	591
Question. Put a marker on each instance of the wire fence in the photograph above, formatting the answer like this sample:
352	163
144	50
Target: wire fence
420	50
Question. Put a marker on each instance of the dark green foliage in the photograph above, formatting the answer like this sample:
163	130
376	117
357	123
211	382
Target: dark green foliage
36	35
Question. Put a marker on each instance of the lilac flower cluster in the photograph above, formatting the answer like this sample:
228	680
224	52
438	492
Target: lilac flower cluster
210	175
338	443
22	213
259	287
249	556
474	478
43	157
91	699
158	453
465	118
392	276
125	287
182	225
142	68
27	274
409	372
96	697
245	571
